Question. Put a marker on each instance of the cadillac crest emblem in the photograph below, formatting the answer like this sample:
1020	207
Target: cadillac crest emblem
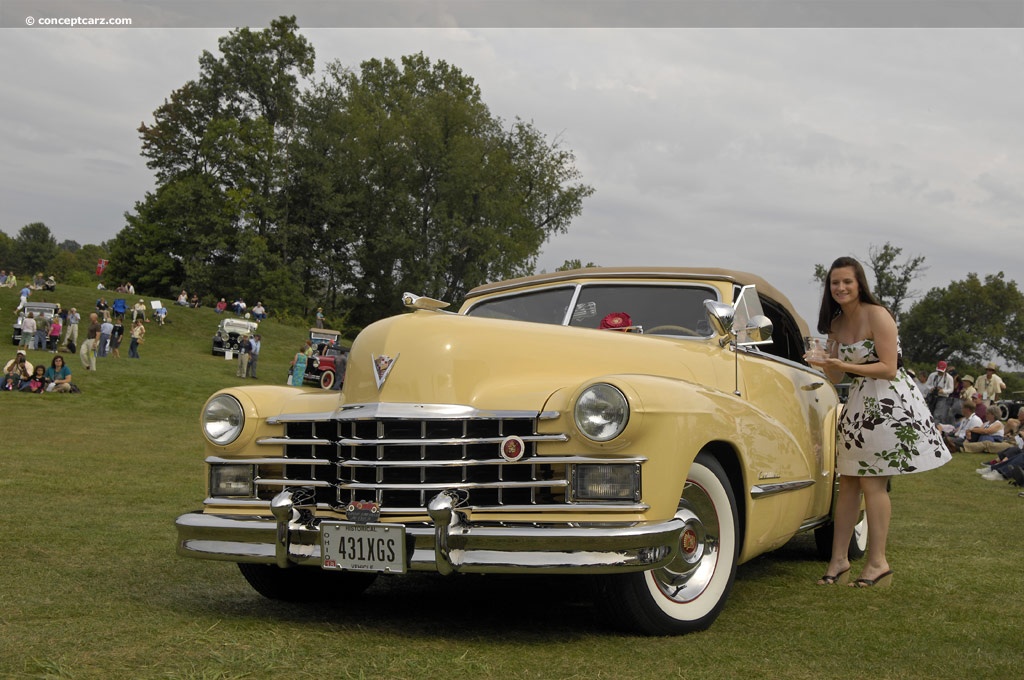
512	448
382	366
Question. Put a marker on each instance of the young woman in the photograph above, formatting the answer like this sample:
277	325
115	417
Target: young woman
885	429
138	334
58	376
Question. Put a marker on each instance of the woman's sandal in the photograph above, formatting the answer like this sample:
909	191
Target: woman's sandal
840	579
881	581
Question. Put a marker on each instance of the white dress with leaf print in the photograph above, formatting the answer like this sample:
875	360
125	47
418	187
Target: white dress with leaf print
886	427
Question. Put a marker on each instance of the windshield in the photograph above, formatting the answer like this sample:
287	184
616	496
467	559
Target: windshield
656	308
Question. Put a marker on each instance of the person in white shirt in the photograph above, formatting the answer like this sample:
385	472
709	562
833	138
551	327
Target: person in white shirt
955	439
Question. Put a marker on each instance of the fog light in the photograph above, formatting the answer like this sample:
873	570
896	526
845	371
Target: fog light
231	480
606	482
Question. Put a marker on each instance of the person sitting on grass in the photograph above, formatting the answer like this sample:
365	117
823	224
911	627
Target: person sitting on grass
58	376
37	382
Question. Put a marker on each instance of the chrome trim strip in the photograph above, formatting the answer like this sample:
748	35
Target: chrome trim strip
283	441
452	441
764	490
216	460
386	410
535	484
293	482
470	462
373	410
252	503
814	524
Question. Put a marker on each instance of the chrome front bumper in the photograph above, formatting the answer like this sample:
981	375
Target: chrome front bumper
449	544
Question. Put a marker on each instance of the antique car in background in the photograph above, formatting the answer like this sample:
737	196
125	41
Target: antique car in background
229	334
326	366
520	436
45	310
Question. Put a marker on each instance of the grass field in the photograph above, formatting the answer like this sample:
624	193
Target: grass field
91	586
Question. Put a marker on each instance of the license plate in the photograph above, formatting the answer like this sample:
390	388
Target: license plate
363	547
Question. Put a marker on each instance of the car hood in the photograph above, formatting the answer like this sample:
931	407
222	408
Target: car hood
489	364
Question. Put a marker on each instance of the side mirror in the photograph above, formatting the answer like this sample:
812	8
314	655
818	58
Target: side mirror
758	329
721	316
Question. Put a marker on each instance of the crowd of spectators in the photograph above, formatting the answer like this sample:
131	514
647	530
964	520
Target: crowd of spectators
974	419
104	331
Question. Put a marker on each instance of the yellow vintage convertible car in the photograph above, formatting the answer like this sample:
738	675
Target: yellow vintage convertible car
651	426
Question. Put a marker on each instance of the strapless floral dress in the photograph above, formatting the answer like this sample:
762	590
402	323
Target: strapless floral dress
886	428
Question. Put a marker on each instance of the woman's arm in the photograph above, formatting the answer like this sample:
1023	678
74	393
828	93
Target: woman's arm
882	329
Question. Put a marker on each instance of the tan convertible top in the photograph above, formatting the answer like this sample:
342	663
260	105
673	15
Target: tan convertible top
676	273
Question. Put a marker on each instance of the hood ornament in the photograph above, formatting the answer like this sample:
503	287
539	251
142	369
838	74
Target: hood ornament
382	366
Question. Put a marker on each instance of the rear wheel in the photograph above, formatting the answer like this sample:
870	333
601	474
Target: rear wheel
688	594
858	542
304	584
327	380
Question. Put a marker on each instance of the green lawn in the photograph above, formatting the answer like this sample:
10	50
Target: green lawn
92	587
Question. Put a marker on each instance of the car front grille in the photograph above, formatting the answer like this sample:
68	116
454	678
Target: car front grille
402	462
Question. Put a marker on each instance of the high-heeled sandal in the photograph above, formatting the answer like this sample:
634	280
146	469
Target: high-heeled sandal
839	579
881	581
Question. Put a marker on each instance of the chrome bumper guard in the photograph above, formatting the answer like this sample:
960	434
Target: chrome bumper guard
450	544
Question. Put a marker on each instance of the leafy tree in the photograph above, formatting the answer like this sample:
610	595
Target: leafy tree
573	264
396	177
968	322
432	192
892	279
6	251
34	247
70	246
217	147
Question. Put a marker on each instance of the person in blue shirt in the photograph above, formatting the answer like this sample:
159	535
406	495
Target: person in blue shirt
58	376
254	356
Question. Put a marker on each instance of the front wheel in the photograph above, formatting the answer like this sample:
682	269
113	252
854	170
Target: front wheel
688	594
304	584
327	380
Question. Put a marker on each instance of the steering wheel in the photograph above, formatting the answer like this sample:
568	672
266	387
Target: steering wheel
669	327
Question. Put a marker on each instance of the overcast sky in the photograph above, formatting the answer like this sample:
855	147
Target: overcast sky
761	149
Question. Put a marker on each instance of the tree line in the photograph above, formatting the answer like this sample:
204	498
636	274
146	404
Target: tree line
340	192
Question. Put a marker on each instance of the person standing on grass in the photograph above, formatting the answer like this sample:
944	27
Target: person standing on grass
71	336
138	337
254	355
885	429
115	338
55	329
28	331
92	338
244	352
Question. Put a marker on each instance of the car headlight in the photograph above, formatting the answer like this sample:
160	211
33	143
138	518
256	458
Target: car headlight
601	412
615	482
231	480
223	419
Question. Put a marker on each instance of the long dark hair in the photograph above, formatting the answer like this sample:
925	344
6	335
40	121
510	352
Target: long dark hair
830	309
